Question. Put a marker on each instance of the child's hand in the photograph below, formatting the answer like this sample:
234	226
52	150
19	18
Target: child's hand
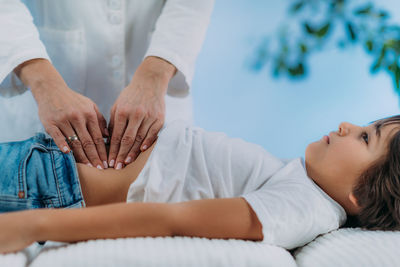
16	231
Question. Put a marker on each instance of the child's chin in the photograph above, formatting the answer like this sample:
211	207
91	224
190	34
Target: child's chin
311	151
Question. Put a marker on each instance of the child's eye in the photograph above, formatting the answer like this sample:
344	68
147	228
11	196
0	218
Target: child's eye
364	136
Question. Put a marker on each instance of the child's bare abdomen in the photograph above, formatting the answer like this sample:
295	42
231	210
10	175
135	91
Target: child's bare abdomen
101	187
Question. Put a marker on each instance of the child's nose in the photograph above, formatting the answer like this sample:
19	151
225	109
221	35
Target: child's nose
344	128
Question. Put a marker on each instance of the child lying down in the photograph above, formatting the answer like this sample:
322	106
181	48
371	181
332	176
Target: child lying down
202	184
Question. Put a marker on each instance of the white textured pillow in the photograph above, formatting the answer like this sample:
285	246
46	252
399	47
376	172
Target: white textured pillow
168	251
351	247
20	259
14	260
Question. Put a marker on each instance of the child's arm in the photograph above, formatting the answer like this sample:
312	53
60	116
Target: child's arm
212	218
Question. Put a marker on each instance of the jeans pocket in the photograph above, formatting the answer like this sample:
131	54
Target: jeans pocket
14	192
36	176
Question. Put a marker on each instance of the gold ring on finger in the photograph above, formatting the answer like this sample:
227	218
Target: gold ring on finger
72	138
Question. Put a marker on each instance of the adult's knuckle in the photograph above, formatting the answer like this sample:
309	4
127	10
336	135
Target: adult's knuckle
127	139
76	144
60	117
150	114
50	128
139	112
57	135
153	132
122	112
90	115
160	116
87	144
116	139
74	115
98	140
139	137
157	126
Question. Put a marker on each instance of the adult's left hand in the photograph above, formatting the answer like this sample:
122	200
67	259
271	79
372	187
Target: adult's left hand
139	112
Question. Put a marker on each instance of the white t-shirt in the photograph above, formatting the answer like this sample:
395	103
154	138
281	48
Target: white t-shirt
189	163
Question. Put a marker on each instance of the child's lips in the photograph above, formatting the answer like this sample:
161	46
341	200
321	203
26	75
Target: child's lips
326	139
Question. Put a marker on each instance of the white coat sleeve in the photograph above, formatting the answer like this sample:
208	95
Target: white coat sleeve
19	42
179	34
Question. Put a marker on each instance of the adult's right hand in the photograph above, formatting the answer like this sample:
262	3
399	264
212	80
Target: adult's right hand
65	113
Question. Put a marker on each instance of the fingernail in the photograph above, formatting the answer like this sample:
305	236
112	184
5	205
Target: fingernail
106	131
112	163
119	166
65	149
144	147
128	160
90	165
99	167
105	164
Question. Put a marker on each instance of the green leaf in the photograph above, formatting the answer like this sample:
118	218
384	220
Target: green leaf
310	30
376	66
317	32
303	48
397	76
297	70
366	10
392	44
323	30
351	31
383	14
378	63
296	7
396	46
369	45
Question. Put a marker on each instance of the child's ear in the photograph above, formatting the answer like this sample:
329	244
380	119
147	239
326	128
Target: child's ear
353	200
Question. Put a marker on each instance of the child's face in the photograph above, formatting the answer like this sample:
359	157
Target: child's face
336	161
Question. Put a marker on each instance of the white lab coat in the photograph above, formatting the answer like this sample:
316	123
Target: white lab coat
97	45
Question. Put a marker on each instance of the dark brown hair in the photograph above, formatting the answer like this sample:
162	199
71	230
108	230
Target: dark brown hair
378	188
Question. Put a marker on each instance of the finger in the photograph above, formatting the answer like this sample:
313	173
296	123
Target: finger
151	135
58	138
87	143
116	136
102	122
76	146
127	142
96	135
140	136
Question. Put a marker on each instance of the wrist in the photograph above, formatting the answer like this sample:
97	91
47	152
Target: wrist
39	75
159	68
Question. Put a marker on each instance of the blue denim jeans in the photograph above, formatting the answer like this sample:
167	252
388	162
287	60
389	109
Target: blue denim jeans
35	174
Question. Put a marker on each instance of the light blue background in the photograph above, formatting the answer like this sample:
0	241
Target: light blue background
282	115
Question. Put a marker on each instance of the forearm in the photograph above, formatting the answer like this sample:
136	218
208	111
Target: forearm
211	218
108	221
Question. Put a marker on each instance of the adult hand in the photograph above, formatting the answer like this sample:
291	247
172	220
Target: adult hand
139	112
16	231
65	113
